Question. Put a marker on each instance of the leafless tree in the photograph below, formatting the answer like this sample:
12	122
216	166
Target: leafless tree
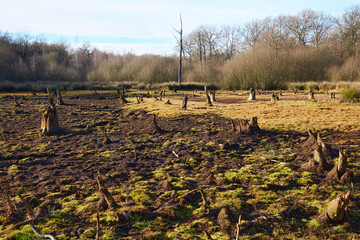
301	26
252	33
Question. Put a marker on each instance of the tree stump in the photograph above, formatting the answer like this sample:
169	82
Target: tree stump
311	95
320	158
338	171
252	95
253	125
122	98
184	103
318	162
49	120
208	100
332	96
335	211
274	97
59	98
212	96
157	128
17	104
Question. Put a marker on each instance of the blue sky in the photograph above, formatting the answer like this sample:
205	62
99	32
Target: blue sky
141	26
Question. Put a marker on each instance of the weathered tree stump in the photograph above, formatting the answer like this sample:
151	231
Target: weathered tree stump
157	128
208	100
106	138
17	104
311	95
59	98
339	170
295	90
122	98
320	158
258	91
212	96
335	211
105	193
252	95
310	142
332	96
274	97
253	125
244	125
49	120
184	103
318	162
233	126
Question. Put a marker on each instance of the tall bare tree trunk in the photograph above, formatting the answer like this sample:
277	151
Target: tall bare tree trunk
180	41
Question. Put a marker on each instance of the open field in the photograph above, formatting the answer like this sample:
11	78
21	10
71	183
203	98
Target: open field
156	178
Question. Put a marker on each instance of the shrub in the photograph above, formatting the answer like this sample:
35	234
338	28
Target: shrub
351	93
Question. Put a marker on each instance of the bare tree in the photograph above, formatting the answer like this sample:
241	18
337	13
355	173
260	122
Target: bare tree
252	32
301	26
348	28
180	41
276	33
321	25
231	40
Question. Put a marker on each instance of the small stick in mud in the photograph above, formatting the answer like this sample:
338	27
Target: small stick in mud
107	139
184	103
157	128
233	127
238	228
205	203
17	104
105	193
97	224
207	235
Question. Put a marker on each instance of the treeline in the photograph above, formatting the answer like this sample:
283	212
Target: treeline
267	53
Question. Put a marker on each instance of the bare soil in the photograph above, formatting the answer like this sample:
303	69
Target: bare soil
195	150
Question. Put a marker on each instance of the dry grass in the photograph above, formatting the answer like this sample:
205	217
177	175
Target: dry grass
292	112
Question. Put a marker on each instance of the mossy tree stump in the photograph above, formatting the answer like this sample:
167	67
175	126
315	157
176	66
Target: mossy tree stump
335	212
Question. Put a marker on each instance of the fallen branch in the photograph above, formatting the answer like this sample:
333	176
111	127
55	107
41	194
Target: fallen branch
238	227
41	235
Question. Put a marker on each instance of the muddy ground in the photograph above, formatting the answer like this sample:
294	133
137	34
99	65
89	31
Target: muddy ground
155	177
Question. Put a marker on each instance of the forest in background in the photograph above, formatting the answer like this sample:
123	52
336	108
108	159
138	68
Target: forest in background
268	53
